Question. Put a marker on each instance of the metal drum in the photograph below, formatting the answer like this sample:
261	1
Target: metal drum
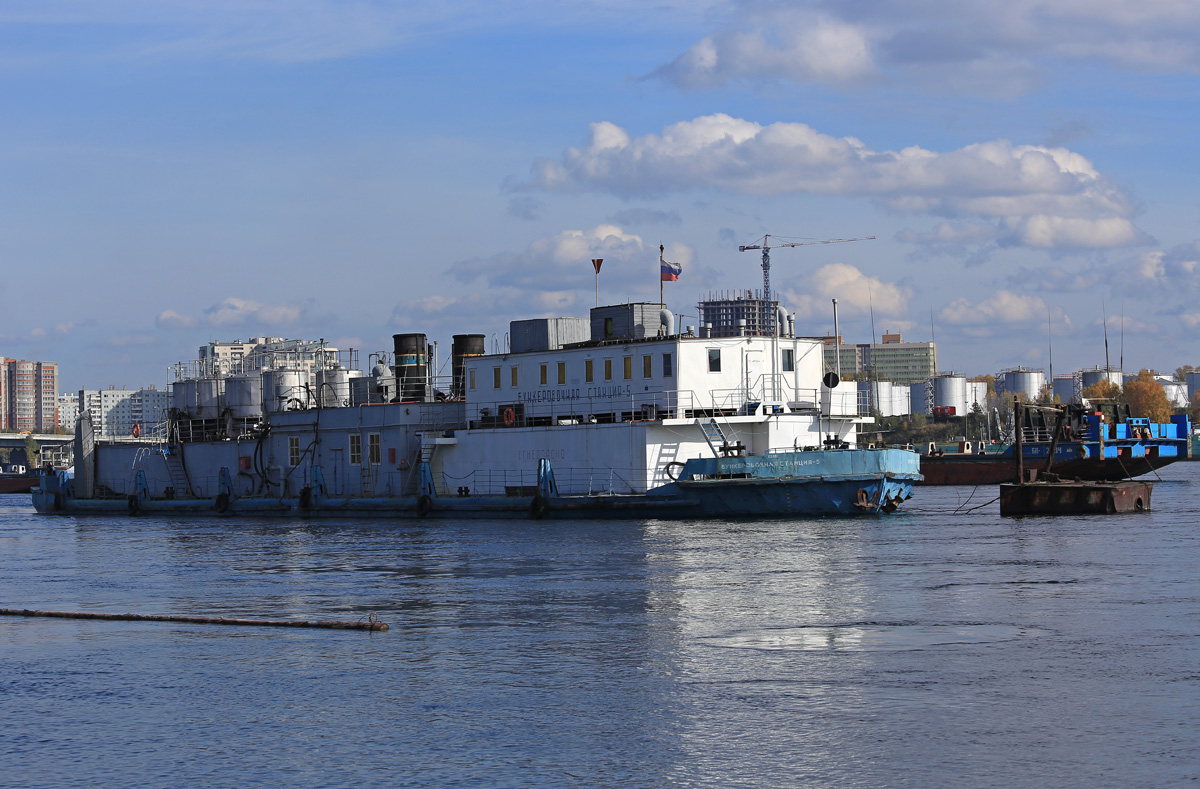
466	346
411	369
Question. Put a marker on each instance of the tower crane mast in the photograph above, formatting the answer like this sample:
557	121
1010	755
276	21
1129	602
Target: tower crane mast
766	246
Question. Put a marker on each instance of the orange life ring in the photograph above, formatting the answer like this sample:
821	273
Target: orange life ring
137	430
510	417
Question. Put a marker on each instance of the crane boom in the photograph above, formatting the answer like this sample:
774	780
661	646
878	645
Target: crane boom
766	246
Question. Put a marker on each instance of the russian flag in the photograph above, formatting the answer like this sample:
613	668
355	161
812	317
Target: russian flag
671	271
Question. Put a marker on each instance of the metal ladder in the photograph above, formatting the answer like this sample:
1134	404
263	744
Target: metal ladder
177	473
413	485
713	434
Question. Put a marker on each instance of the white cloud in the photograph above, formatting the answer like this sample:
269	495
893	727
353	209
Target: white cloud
856	292
233	312
239	312
1046	198
790	43
1002	307
170	319
562	259
1190	319
999	49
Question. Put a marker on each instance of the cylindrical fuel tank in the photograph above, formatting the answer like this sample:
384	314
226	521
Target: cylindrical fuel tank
183	397
243	396
333	387
411	370
284	390
951	391
208	398
465	346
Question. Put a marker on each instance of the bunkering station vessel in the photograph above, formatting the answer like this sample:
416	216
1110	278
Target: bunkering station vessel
616	415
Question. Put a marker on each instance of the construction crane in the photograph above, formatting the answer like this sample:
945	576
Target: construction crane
766	246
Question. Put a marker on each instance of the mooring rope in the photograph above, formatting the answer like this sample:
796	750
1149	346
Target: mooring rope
370	623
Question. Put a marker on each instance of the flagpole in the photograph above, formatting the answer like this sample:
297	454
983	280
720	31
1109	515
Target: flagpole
661	301
596	265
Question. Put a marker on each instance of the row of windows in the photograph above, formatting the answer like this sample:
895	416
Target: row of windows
589	371
374	449
787	359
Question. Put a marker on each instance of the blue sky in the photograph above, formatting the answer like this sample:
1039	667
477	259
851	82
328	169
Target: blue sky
175	173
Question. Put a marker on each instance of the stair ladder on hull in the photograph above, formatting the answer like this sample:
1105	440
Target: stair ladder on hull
715	437
177	473
420	479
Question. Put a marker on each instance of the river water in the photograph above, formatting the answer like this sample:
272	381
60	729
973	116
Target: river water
942	646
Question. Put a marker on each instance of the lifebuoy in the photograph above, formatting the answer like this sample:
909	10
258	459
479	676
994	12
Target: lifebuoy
137	430
510	417
133	504
538	507
222	502
424	506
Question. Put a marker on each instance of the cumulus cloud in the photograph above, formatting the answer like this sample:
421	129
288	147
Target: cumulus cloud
233	312
239	312
559	260
552	277
790	43
857	293
1046	198
1002	307
1001	49
170	319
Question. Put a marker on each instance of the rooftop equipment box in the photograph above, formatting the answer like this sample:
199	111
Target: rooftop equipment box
546	334
626	321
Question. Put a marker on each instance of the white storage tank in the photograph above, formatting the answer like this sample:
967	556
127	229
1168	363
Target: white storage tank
284	390
977	393
950	391
243	396
1022	381
333	386
1095	375
183	396
209	393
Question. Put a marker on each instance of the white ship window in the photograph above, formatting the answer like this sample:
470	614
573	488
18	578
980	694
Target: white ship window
647	366
608	369
514	375
587	370
293	450
373	453
714	360
789	360
562	373
628	367
495	377
355	449
668	369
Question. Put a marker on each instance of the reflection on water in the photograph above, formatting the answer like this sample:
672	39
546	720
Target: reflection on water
932	648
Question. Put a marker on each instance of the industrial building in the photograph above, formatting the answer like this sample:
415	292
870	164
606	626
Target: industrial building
890	360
